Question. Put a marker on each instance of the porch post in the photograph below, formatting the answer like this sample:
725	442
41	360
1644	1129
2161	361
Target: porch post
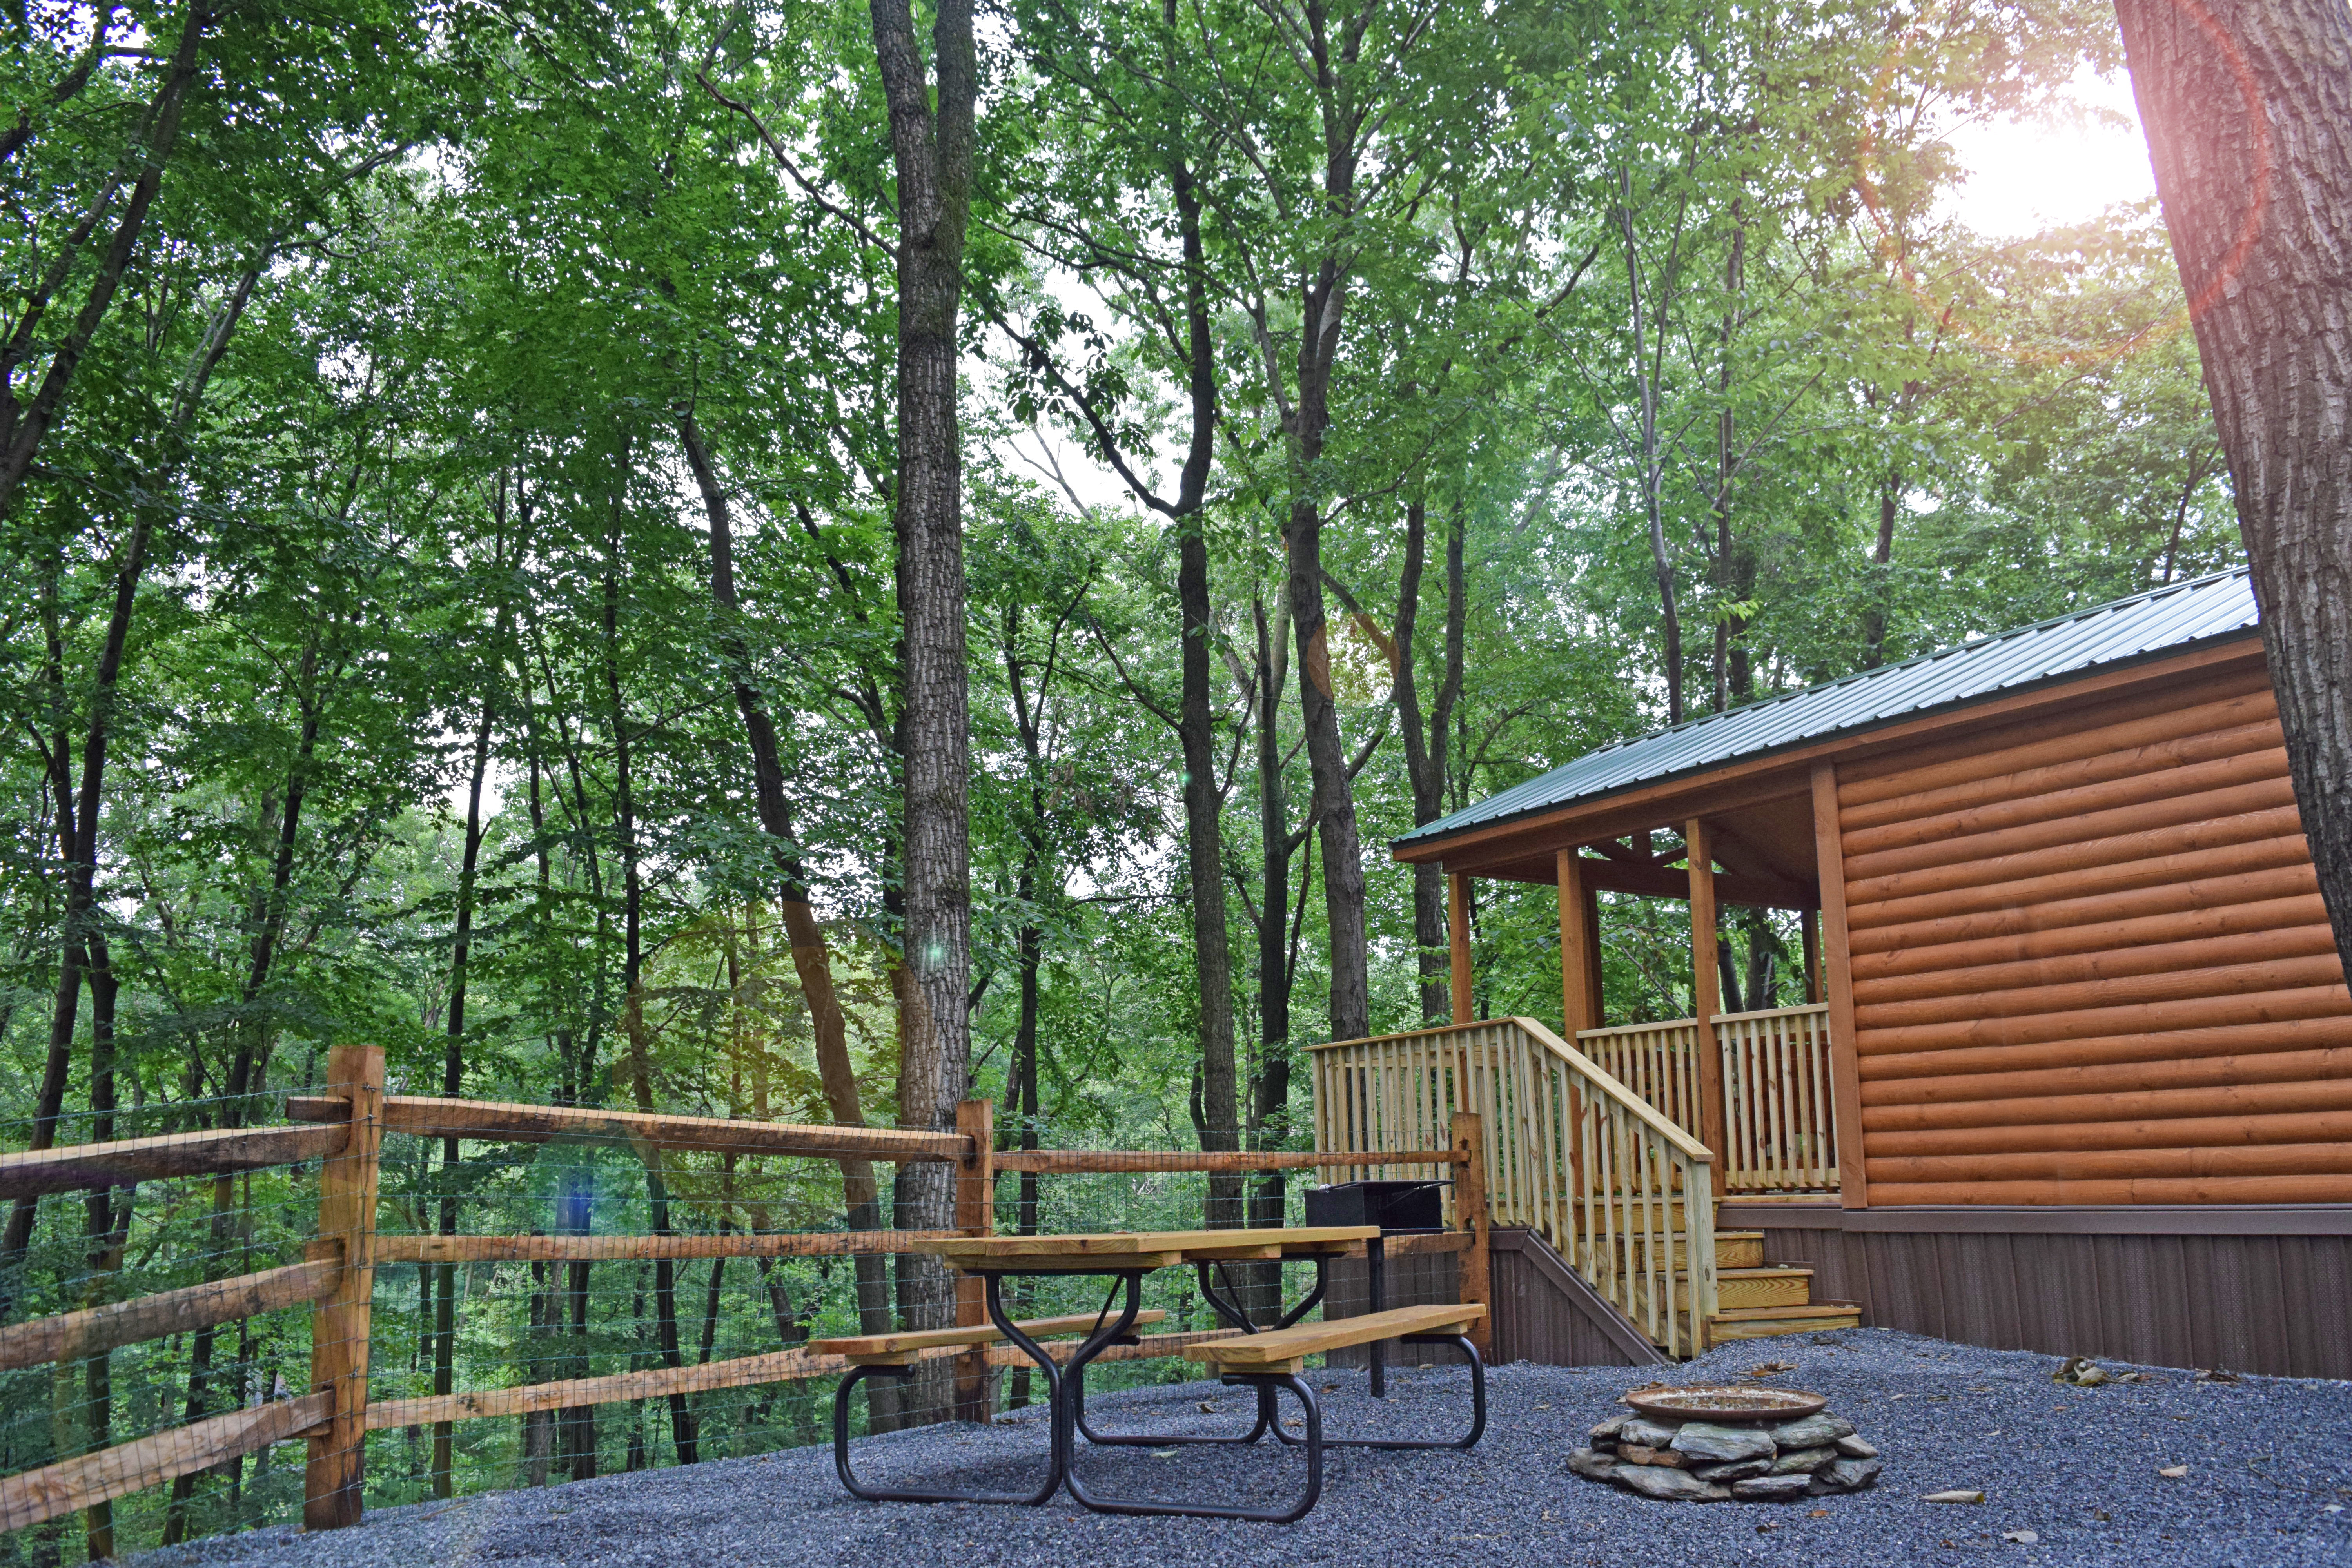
1837	972
1707	996
1809	926
1575	950
1457	938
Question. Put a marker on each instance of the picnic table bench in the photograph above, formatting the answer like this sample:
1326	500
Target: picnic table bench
1267	1360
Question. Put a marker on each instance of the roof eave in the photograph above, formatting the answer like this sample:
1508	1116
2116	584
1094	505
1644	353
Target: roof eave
1925	722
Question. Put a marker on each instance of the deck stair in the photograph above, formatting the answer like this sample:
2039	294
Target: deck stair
1755	1300
1623	1192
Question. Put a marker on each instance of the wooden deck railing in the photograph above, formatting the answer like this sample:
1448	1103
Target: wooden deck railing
1570	1151
1780	1115
344	1130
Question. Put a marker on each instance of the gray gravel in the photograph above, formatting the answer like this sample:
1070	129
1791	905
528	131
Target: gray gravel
2269	1482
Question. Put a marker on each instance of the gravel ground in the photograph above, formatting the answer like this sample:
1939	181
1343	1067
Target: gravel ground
2269	1482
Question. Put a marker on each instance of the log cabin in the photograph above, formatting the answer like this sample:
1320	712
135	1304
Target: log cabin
2072	1071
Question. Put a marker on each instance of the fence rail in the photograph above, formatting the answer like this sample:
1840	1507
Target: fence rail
344	1130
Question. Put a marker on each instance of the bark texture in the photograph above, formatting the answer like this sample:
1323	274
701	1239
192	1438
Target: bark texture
932	151
2248	106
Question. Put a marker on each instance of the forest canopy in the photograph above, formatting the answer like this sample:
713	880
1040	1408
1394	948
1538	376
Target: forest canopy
452	519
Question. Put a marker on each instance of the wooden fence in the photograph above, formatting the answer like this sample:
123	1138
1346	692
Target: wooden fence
344	1128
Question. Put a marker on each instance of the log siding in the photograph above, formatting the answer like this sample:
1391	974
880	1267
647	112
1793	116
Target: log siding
2090	964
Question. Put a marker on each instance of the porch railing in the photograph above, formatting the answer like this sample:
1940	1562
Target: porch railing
1779	1114
1572	1152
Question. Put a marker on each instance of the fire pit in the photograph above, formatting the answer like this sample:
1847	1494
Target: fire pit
1715	1444
1725	1403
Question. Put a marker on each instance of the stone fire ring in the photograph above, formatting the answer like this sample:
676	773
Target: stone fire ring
1726	1404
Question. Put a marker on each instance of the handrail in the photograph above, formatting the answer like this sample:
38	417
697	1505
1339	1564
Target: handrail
1689	1146
494	1121
1778	1110
1572	1151
1808	1009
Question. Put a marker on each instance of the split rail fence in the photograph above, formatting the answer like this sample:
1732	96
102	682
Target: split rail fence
343	1130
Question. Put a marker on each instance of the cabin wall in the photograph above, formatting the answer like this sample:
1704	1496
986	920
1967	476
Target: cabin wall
2265	1290
2090	964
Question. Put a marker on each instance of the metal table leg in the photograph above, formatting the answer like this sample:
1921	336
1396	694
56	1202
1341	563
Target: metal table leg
1056	1465
1376	1354
1073	1382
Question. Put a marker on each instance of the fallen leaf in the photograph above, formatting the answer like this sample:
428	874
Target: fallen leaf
1163	1453
2022	1537
1958	1494
1543	1406
1771	1367
2060	1409
2217	1375
2174	1472
1819	1513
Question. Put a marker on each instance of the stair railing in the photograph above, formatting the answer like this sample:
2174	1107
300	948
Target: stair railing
1572	1152
1779	1110
1780	1115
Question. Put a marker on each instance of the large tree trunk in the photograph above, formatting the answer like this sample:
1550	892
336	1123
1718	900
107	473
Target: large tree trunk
1220	1121
932	154
2248	106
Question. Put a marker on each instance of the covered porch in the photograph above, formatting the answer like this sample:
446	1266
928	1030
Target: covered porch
1758	1088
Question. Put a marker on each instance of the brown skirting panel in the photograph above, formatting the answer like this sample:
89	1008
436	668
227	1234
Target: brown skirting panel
2248	1288
1543	1312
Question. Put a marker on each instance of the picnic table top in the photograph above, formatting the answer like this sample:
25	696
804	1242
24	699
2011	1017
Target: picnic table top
1100	1251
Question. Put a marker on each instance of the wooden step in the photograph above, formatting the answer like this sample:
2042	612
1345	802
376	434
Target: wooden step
1739	1250
1762	1286
1765	1287
1765	1322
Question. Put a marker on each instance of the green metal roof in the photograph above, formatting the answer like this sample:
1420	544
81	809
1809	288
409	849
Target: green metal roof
2164	620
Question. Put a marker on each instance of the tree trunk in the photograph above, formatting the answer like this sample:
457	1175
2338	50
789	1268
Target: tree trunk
1425	748
811	960
2248	108
107	1224
23	430
453	1084
1323	302
1882	580
82	870
932	155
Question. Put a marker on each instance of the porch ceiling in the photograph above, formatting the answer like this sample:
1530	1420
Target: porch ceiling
1765	850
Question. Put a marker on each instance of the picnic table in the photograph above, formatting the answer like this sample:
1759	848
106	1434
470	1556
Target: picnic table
1267	1360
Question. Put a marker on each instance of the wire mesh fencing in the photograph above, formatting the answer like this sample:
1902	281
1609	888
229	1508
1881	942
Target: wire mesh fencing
218	1314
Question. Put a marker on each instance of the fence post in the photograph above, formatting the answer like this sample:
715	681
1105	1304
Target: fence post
975	1214
1470	1215
339	1324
